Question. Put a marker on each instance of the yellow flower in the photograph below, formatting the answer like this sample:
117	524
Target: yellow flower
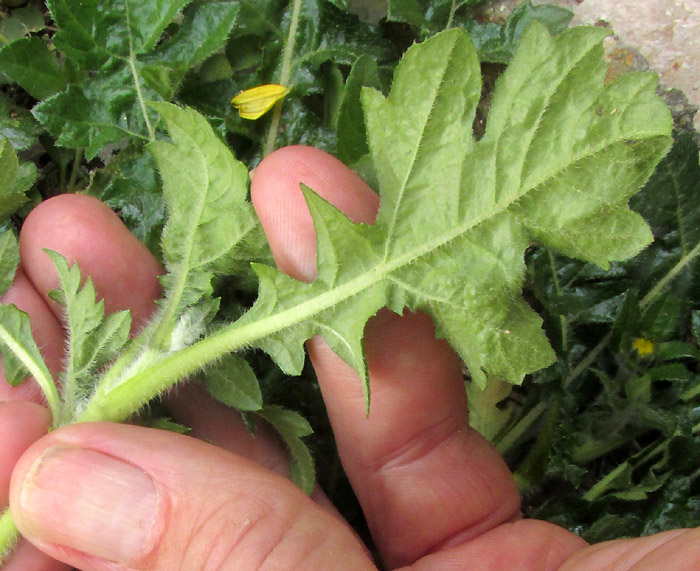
643	346
256	101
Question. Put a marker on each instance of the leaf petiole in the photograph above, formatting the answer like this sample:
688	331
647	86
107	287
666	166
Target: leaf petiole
285	74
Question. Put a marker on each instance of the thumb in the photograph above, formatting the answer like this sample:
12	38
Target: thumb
107	496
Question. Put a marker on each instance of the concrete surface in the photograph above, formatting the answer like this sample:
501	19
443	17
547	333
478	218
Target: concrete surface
665	32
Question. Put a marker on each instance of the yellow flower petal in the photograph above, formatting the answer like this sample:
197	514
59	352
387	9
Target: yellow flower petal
643	346
256	101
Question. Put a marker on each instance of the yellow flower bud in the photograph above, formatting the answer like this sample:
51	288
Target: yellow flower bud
256	101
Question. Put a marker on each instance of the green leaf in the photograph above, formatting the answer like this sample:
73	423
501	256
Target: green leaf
430	16
17	124
91	31
352	136
292	428
15	179
203	31
130	185
21	356
233	382
101	111
205	190
497	44
29	63
559	150
21	22
424	15
677	350
114	45
671	203
93	338
9	259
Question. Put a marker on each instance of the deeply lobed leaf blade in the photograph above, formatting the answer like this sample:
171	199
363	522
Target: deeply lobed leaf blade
456	215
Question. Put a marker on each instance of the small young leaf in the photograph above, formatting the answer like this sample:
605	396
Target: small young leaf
205	190
21	356
292	428
17	124
233	382
92	337
29	63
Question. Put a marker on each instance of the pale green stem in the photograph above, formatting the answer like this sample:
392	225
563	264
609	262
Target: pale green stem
557	289
75	170
512	436
587	360
8	535
285	74
135	75
673	272
453	9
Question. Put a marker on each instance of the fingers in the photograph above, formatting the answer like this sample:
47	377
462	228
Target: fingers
282	210
425	480
21	423
216	423
105	496
86	231
125	274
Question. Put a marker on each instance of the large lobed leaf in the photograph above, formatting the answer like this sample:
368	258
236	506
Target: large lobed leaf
560	158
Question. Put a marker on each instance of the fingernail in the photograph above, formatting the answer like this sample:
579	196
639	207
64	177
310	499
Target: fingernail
90	502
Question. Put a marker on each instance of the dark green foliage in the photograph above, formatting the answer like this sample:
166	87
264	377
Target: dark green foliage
604	441
623	452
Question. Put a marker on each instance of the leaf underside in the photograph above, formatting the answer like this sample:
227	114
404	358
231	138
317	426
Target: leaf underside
561	156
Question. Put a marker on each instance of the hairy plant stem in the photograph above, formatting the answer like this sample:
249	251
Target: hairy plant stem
8	534
285	74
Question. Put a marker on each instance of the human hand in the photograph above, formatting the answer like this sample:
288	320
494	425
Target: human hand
436	495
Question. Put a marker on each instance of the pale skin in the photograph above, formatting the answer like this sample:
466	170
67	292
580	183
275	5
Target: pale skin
436	495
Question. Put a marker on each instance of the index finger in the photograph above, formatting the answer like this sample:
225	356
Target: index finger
423	477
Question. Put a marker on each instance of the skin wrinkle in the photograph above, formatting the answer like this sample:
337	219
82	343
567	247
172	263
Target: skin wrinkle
504	511
213	558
